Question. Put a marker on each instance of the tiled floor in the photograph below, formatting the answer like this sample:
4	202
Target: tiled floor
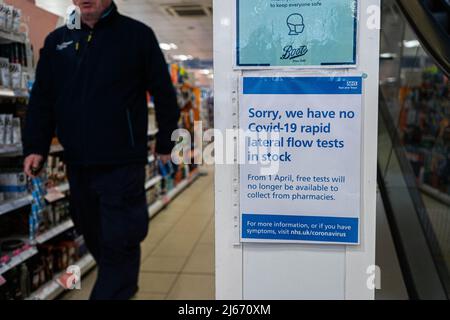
178	255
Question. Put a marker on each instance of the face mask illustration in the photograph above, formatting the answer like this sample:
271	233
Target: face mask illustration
295	24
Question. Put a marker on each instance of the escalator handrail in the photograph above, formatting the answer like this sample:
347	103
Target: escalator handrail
430	34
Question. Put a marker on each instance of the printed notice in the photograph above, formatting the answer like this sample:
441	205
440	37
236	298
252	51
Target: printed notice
300	175
296	33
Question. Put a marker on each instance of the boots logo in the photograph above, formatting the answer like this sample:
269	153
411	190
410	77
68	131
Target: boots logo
290	53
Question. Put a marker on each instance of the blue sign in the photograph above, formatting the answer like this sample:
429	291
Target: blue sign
301	177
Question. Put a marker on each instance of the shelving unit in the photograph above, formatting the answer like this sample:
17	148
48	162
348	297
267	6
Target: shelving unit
11	151
15	204
18	259
152	182
55	231
8	36
52	289
8	93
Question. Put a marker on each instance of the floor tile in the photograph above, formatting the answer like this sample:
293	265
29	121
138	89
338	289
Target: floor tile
156	282
201	260
163	264
174	248
146	250
193	287
149	296
208	235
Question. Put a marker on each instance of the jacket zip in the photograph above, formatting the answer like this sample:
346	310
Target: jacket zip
84	58
130	128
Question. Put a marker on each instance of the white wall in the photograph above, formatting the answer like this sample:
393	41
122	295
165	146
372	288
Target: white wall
280	271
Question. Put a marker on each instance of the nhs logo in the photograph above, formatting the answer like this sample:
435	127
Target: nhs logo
352	84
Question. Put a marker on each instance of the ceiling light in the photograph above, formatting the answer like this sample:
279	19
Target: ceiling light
388	55
411	44
165	46
173	46
182	57
205	72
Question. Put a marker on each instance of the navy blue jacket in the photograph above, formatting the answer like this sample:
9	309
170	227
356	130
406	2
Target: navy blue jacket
90	90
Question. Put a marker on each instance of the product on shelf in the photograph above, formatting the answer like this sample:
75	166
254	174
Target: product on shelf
37	208
56	171
54	214
53	257
13	185
425	127
13	61
10	130
5	77
10	18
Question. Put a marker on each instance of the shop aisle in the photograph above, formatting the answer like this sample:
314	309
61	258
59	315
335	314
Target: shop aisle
178	254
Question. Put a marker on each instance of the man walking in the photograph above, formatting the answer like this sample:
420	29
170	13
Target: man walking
90	90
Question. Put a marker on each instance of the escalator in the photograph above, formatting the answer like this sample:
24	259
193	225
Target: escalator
414	143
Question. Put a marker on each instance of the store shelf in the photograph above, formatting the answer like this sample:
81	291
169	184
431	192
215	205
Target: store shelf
8	93
150	183
156	207
172	194
20	258
57	193
11	151
64	187
56	231
8	36
52	289
15	204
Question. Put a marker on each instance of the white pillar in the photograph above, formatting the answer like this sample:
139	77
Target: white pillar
294	271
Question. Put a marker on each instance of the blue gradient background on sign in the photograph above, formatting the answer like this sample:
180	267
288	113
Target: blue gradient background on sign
302	85
351	237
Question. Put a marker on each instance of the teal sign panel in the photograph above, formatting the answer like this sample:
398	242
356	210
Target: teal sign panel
296	33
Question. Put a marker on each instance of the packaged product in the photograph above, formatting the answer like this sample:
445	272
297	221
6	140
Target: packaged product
9	17
15	70
2	16
2	128
16	131
13	185
17	15
5	78
25	80
8	129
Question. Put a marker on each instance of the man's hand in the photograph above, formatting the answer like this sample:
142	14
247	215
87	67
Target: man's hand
165	158
33	165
